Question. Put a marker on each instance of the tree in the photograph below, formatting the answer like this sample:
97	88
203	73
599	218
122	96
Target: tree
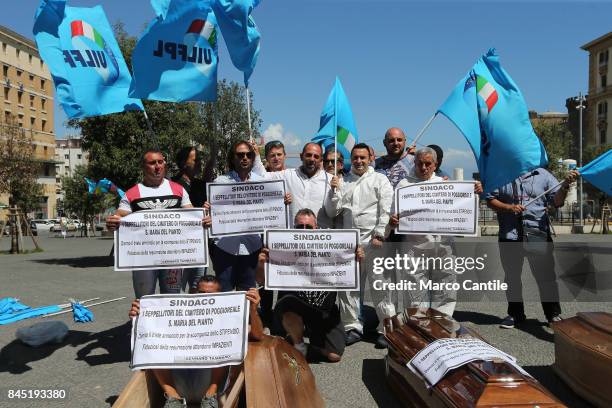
115	142
557	140
18	173
78	201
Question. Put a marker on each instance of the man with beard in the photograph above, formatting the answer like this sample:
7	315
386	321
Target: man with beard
308	184
364	198
154	193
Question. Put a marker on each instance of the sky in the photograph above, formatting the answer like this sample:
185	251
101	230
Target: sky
397	60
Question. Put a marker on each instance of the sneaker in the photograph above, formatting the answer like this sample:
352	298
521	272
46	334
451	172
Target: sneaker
381	342
351	337
554	320
174	402
209	402
510	322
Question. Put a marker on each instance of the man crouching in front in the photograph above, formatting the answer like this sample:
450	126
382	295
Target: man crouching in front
193	385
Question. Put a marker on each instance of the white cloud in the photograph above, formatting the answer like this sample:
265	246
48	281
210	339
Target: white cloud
275	131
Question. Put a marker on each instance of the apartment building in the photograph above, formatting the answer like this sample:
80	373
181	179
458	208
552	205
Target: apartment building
27	95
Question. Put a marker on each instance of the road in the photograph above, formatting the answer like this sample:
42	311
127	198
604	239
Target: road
92	363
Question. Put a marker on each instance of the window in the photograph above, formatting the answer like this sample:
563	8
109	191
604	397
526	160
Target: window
42	103
79	156
5	70
17	52
30	59
19	97
602	136
4	48
42	84
602	109
7	117
44	125
45	150
31	101
32	123
66	156
32	79
603	57
19	72
47	170
7	92
604	80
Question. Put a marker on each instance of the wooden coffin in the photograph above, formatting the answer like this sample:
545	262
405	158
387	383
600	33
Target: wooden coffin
143	391
476	384
583	355
277	375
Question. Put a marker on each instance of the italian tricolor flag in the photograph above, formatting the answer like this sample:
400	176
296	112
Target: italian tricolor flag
82	28
205	29
486	91
345	138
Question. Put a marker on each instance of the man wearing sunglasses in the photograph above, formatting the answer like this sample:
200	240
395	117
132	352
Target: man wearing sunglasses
234	258
364	198
155	192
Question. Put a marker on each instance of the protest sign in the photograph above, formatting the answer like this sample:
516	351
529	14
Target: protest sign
438	358
247	208
446	208
312	260
190	331
161	239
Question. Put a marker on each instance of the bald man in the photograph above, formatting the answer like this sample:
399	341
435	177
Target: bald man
396	164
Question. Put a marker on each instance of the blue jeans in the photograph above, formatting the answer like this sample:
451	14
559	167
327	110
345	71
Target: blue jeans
234	271
144	282
191	277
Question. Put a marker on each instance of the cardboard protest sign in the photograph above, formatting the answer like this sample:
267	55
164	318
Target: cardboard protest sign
247	208
161	239
190	331
312	259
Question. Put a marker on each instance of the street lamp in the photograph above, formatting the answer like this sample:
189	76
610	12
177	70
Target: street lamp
581	106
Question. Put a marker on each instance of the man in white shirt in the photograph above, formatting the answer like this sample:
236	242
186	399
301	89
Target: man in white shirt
364	198
154	193
309	184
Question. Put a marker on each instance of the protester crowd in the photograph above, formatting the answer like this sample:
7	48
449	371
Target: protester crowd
323	193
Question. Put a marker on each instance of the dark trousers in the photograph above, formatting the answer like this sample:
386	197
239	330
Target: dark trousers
234	271
265	306
542	266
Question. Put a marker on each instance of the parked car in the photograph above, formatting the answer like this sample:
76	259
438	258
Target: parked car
43	225
70	226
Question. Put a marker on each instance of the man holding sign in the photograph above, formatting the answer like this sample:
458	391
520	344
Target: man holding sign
201	384
154	193
314	312
234	257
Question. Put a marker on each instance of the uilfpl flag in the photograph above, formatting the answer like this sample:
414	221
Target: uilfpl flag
489	109
88	70
175	59
599	172
337	122
240	33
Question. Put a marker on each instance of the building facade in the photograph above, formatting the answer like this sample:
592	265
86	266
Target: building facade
598	120
27	91
68	155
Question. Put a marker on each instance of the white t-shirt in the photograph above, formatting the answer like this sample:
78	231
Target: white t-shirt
167	195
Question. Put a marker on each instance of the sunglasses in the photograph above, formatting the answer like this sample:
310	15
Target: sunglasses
303	226
242	155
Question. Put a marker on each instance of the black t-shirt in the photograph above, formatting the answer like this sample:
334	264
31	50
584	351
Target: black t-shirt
196	190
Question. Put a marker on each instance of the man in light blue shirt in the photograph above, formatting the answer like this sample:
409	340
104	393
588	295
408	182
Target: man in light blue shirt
527	224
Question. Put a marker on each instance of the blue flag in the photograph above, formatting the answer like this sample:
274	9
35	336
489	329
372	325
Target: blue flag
81	314
599	172
88	70
337	122
240	33
91	185
489	109
176	57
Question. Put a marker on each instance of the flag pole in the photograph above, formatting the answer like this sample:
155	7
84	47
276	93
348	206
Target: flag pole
546	192
248	101
149	126
427	125
336	129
